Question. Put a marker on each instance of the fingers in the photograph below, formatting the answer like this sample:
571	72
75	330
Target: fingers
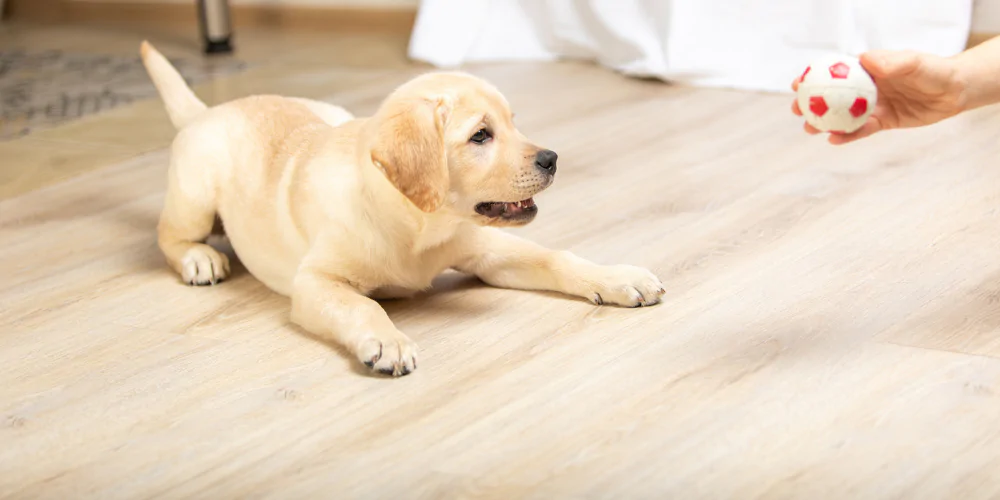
874	62
798	112
795	104
888	63
870	127
808	128
795	108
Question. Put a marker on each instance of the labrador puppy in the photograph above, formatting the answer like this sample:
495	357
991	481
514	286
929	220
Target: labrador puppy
336	211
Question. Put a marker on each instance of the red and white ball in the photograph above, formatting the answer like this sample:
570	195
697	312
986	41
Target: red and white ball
837	95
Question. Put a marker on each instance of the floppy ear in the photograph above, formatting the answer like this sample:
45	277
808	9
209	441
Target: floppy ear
409	148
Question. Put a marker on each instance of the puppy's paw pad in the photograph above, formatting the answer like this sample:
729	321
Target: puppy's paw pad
628	286
391	356
204	265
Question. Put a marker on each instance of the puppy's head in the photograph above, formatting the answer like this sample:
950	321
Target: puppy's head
447	141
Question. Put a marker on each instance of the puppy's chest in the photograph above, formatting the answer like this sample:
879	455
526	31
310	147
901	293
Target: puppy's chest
412	271
409	260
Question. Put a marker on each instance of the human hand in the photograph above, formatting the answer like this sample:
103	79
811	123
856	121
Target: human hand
914	90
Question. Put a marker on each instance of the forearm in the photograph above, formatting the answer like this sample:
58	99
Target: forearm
979	71
506	261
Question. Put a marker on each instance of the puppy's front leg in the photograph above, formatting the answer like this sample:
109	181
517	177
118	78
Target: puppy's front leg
503	260
329	307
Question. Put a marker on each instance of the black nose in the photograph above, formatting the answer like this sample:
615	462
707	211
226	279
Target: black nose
545	160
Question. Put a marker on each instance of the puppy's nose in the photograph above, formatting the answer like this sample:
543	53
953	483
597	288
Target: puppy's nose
545	160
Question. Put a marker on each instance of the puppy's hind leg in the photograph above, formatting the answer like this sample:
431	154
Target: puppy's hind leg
187	220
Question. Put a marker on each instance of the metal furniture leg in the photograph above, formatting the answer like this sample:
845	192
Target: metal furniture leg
216	26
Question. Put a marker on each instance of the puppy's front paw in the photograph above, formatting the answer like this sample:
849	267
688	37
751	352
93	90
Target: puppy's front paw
627	286
204	265
394	355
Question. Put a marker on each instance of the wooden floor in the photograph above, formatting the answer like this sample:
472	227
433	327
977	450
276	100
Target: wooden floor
831	328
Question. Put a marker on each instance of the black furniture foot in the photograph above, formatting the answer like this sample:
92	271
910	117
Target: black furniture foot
216	28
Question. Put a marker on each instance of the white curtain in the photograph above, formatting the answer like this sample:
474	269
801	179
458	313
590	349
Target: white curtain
745	44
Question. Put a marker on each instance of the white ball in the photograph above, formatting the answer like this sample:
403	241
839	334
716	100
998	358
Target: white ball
837	95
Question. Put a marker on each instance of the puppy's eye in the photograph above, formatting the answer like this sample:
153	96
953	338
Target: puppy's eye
481	137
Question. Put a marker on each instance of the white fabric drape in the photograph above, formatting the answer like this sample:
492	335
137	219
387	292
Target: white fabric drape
746	44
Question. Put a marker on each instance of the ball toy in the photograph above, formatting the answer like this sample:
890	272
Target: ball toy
836	94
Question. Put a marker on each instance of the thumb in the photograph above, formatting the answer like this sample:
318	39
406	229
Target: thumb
883	63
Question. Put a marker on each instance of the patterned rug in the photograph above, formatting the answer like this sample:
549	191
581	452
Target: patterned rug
43	89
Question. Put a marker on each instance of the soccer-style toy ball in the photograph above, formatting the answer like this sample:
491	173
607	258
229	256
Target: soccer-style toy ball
837	95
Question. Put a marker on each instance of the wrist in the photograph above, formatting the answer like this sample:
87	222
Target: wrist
962	81
976	84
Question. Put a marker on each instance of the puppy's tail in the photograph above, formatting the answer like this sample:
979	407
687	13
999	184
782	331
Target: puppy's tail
181	103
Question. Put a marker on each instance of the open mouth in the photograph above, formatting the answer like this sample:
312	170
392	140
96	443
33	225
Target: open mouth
508	210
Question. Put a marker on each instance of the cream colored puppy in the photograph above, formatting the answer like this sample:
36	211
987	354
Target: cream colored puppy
335	211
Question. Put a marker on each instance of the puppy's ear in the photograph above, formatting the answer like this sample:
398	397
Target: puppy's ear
409	147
